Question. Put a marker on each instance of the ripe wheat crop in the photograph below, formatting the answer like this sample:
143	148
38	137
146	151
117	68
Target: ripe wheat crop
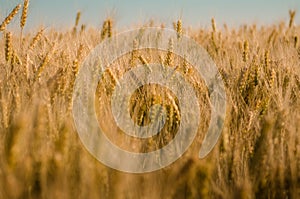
257	155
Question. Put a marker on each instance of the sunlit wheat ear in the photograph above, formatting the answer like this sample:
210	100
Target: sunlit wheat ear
15	58
134	53
173	112
36	39
264	105
246	51
109	28
170	118
296	40
240	44
213	35
79	53
185	66
44	63
255	72
8	47
213	25
78	15
82	28
75	65
272	78
11	15
24	14
272	37
169	58
214	42
156	113
41	68
179	28
243	80
104	30
267	59
292	18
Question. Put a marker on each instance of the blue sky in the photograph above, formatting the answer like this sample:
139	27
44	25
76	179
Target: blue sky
127	12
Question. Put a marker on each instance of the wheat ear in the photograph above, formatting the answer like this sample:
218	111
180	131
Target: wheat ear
292	17
24	14
11	15
8	47
35	39
179	28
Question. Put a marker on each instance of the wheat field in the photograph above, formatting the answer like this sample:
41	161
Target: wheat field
257	155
